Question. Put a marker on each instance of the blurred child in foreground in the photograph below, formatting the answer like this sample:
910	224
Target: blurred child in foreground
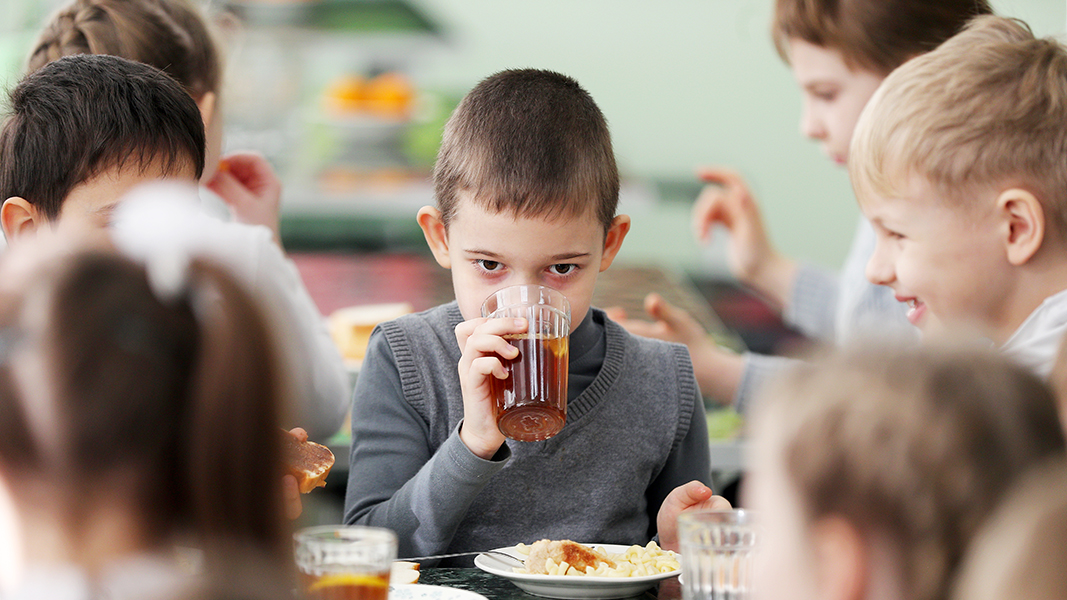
139	412
873	469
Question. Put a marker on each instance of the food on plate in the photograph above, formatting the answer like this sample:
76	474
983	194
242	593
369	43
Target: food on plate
309	462
404	571
546	553
564	557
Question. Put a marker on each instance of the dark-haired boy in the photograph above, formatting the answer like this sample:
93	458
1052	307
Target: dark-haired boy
526	189
83	130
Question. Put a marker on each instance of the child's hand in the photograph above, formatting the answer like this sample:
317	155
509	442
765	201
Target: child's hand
247	183
691	496
482	346
718	371
671	323
752	259
290	487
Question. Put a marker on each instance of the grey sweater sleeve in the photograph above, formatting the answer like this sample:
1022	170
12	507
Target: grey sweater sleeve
396	480
813	306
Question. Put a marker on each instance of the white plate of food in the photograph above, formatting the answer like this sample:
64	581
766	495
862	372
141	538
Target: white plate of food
573	587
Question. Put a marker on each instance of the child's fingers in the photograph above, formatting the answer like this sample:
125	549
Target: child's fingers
487	327
466	328
291	497
676	318
723	176
482	344
252	170
711	207
487	366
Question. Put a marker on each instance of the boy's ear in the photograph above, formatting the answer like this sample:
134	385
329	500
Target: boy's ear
842	560
620	226
433	229
207	104
1024	224
19	218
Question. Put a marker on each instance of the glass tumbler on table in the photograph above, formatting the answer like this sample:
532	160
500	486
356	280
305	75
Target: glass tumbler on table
718	550
338	562
531	403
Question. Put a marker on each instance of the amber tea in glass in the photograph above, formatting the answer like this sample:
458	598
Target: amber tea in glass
531	403
338	562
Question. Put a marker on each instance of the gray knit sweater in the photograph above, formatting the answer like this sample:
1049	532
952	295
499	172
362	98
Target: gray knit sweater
632	435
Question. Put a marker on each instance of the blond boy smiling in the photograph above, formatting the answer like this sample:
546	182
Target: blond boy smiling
959	163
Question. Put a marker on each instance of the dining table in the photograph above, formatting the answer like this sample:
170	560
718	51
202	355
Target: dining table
494	587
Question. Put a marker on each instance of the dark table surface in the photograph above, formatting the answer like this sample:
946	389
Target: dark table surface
498	588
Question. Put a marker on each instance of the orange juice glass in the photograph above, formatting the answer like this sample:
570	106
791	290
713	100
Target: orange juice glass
339	562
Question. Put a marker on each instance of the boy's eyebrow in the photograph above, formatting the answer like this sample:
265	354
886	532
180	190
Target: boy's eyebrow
105	211
495	256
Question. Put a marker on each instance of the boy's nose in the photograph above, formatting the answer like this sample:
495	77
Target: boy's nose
879	271
811	126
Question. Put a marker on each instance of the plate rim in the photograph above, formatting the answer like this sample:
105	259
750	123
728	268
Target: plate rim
451	590
580	580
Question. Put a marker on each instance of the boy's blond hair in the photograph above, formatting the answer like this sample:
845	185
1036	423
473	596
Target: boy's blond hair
914	447
988	108
1021	553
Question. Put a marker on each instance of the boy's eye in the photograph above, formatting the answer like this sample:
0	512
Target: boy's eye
488	265
562	268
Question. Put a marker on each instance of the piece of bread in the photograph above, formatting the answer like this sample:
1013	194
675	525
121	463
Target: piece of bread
404	571
309	462
574	554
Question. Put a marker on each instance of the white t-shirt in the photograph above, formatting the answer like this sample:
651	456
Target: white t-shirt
1036	342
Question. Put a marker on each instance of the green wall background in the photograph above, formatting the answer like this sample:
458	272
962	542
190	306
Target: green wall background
683	83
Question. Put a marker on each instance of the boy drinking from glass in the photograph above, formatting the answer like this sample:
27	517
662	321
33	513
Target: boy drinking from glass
526	188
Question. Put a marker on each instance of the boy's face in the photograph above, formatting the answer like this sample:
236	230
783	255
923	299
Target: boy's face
947	263
91	203
834	95
488	251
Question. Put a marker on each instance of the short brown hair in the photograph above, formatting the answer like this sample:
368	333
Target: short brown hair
170	35
532	142
877	35
915	446
987	108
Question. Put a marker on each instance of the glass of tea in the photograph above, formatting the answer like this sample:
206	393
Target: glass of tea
338	562
531	403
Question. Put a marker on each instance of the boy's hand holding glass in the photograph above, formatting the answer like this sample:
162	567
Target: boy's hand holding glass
483	345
